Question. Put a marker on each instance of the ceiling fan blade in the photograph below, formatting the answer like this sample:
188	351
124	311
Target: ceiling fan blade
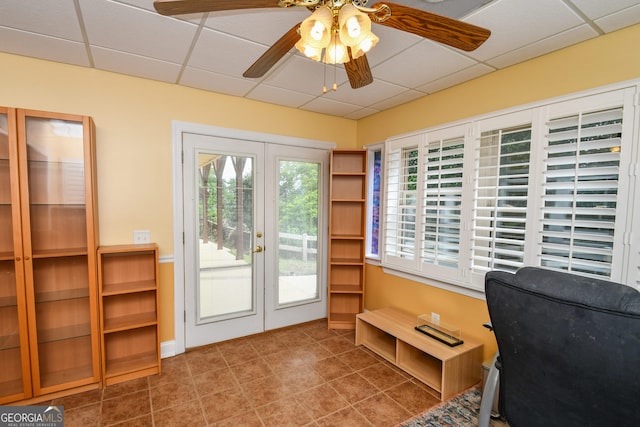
435	27
358	72
273	54
179	7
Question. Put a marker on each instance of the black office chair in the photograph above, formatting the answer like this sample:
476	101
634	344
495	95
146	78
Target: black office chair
569	350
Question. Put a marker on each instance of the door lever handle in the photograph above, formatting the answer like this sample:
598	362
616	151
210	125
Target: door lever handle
258	249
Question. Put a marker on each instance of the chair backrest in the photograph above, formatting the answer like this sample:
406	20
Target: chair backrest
569	348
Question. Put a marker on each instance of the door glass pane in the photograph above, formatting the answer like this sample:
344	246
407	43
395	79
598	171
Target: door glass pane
55	164
298	210
225	287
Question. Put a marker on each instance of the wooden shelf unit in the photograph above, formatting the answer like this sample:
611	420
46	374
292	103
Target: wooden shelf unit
128	282
347	226
447	371
49	334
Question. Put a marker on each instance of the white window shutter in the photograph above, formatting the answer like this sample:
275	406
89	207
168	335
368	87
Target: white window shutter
401	202
442	159
581	181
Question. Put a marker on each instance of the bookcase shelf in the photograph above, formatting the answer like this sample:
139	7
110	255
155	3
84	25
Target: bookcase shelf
347	225
127	276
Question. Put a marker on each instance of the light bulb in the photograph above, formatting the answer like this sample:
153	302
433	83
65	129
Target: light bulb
353	27
317	30
366	45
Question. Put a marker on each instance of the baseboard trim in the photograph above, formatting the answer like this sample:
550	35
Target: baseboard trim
167	349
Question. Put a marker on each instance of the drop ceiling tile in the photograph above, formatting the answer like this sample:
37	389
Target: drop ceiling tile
595	9
620	19
218	52
54	18
279	96
432	59
558	41
304	75
135	65
215	82
356	115
391	43
329	106
375	92
456	78
518	23
122	27
452	9
265	26
43	47
402	98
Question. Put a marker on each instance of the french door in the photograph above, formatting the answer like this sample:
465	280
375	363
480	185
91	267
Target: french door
254	250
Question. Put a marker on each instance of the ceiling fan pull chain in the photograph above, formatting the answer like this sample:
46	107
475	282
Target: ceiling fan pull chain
324	87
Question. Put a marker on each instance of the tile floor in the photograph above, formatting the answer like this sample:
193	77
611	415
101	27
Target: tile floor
303	375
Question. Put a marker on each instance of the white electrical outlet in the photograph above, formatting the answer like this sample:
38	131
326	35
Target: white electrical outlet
141	236
435	318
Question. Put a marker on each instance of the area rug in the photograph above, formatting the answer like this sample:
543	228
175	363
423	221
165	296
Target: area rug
460	411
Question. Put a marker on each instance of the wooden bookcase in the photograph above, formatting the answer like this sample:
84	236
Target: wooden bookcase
347	225
447	371
128	282
49	339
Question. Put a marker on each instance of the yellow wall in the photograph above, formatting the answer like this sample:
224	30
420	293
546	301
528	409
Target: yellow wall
605	60
133	132
133	119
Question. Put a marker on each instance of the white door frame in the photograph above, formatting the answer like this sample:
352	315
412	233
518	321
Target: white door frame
178	128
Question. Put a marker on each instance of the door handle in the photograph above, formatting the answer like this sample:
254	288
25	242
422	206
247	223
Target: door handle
258	249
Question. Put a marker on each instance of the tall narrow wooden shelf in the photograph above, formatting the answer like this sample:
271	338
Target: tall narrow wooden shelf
347	225
128	282
49	335
447	371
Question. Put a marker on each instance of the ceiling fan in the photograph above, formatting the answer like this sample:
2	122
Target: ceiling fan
338	31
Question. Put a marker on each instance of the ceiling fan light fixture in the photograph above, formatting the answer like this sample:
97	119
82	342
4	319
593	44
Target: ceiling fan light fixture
311	52
365	46
336	52
316	30
354	26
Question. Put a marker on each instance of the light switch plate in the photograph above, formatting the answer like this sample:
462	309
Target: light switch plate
141	236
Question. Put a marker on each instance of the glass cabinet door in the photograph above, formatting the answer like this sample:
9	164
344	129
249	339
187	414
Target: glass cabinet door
15	382
60	290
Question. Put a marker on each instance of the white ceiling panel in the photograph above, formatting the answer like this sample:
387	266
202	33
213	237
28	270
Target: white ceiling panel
595	9
280	96
400	99
51	18
518	23
377	91
135	65
215	82
424	62
329	106
45	47
566	38
217	52
210	51
455	78
121	27
264	26
620	19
